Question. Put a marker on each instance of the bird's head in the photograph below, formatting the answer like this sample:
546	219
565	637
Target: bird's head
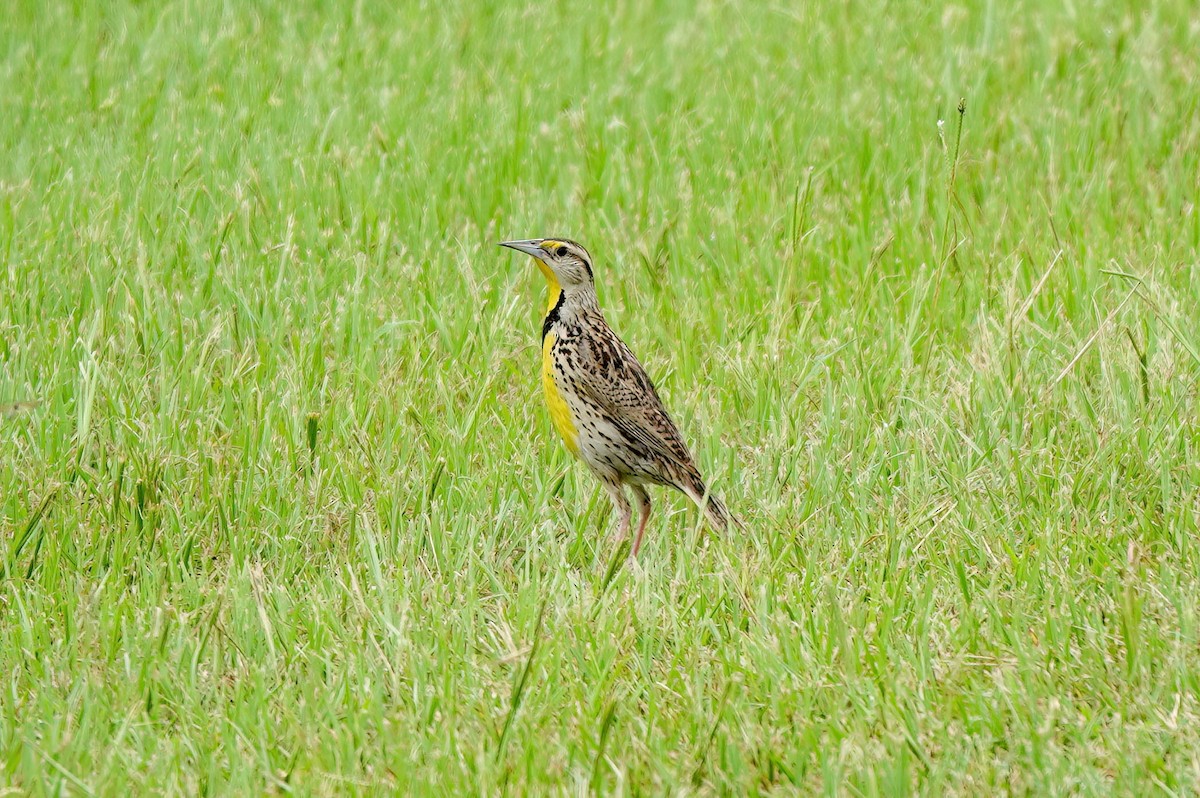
566	264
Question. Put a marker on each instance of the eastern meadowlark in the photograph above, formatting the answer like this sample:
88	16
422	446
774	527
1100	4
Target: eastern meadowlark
600	399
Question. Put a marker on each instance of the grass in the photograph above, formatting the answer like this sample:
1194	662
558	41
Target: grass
280	510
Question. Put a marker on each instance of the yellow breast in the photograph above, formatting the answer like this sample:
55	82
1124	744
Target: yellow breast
560	414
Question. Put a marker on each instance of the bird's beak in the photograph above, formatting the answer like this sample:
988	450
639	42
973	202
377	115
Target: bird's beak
529	247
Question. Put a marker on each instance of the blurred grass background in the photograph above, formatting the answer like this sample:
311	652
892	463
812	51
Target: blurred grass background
280	510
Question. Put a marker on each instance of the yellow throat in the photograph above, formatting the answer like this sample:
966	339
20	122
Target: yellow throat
560	413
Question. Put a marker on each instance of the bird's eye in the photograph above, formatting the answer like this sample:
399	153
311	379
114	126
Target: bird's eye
561	252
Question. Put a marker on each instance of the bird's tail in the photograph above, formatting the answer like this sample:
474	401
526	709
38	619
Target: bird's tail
715	511
719	516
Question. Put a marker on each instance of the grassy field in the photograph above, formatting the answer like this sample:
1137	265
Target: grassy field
280	508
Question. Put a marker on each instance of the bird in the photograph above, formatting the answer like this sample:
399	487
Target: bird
601	401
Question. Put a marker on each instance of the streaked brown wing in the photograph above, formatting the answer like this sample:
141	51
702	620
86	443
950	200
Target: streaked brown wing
617	383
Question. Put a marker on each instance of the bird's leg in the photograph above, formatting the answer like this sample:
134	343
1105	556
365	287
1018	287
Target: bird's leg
624	511
643	502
